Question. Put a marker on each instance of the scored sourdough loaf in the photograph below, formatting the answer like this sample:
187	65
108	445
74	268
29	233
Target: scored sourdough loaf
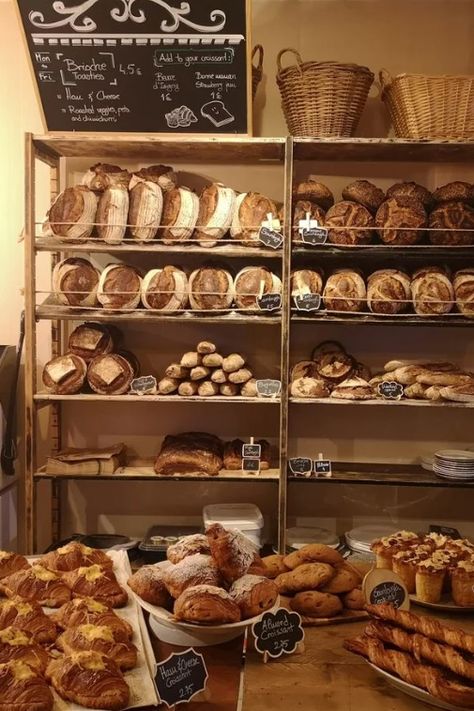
119	287
349	214
302	209
165	289
72	216
388	291
433	292
251	283
145	210
162	175
452	223
211	289
65	375
364	193
314	191
305	281
110	374
90	340
464	291
345	291
411	190
251	211
216	209
455	191
180	214
104	175
397	213
75	282
112	215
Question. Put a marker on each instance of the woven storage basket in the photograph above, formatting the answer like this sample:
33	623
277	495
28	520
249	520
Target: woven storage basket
257	70
322	98
428	107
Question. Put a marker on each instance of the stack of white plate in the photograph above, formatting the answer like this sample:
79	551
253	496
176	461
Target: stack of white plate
360	539
454	464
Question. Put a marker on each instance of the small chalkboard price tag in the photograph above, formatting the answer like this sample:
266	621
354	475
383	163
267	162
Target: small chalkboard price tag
314	236
390	390
446	531
278	633
268	388
146	385
301	466
270	237
322	467
180	677
251	465
382	586
308	302
269	302
251	451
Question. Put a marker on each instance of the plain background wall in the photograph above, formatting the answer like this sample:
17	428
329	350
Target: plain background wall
407	35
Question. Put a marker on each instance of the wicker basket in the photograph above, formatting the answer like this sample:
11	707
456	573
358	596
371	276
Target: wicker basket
429	107
257	70
322	98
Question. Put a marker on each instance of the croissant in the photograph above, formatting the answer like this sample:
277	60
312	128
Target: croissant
37	584
23	689
28	617
11	563
97	582
148	583
232	552
85	610
206	604
186	546
19	646
74	555
89	679
98	638
194	570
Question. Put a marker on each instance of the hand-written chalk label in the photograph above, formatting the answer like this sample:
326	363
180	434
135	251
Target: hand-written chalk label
269	302
308	302
180	677
146	385
253	451
314	236
268	388
278	633
384	586
250	465
387	592
390	390
300	466
270	238
323	467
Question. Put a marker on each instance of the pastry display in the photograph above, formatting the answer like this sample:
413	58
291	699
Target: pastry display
411	190
211	289
190	453
98	638
348	214
345	290
89	679
216	210
180	215
87	611
65	375
23	689
314	191
90	340
110	374
364	193
400	221
18	645
105	175
233	459
250	284
145	209
72	556
388	291
119	287
112	214
28	617
452	223
165	290
162	175
251	212
433	292
232	552
301	211
253	594
71	217
97	582
75	282
37	584
463	284
206	604
11	563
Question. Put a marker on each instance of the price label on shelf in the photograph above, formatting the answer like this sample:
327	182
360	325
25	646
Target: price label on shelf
180	677
308	302
300	466
314	236
278	633
268	388
322	467
269	302
252	451
270	238
382	586
446	531
251	465
146	385
390	390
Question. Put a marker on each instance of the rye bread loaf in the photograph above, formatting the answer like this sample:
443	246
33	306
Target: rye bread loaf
365	193
314	191
190	453
411	190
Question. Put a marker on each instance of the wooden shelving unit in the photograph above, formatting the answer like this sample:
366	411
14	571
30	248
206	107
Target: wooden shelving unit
54	150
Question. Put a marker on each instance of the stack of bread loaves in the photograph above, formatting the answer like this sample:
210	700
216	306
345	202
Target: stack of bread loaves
426	380
206	373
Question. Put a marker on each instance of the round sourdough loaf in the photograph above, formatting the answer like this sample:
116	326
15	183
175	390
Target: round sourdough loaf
314	191
464	291
104	175
454	192
251	283
112	214
345	291
365	193
216	209
388	291
251	211
165	289
72	215
65	375
90	340
433	292
347	214
397	213
180	214
305	281
211	289
110	374
119	287
452	224
162	175
145	210
302	209
411	190
75	282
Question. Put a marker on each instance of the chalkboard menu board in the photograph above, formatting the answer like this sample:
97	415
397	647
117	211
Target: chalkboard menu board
141	65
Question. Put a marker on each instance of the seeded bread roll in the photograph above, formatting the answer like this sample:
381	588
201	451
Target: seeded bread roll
397	213
251	283
229	390
208	389
306	281
345	291
119	287
90	340
145	210
251	210
464	291
162	175
180	214
454	192
349	214
458	216
213	360
110	374
309	388
211	289
216	209
65	375
165	290
315	192
104	175
411	190
433	292
75	282
241	376
206	347
233	363
168	385
112	215
188	388
388	291
302	209
364	193
72	215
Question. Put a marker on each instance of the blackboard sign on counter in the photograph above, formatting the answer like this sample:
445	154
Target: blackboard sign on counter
159	66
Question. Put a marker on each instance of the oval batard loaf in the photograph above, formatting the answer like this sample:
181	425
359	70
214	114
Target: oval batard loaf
302	209
458	190
251	211
216	209
459	393
65	375
119	287
110	374
180	214
397	213
104	175
353	389
75	282
388	291
345	291
464	291
314	191
211	289
365	193
146	207
162	175
165	289
251	283
306	281
433	292
411	190
90	340
349	214
72	215
112	215
451	222
309	387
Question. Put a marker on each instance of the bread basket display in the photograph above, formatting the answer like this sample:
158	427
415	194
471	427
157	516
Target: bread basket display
322	99
423	106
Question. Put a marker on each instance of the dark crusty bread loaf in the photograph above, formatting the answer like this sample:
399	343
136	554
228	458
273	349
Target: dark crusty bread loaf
65	375
90	340
349	214
190	453
365	193
314	191
411	190
455	191
449	216
396	213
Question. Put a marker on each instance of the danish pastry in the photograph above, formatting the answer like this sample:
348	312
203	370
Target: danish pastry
313	553
97	582
74	555
274	565
37	584
253	594
309	576
11	563
19	646
316	604
98	638
23	689
28	617
194	570
206	604
232	552
81	611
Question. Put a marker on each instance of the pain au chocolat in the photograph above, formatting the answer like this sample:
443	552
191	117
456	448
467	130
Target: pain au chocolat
75	282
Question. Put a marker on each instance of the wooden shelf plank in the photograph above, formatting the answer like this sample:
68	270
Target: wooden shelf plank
450	320
383	149
176	399
384	475
146	473
383	251
381	403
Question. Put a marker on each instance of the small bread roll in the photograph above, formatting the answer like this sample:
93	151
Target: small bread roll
191	360
213	360
229	390
232	363
208	389
175	370
167	386
200	373
239	377
218	376
249	389
188	388
206	347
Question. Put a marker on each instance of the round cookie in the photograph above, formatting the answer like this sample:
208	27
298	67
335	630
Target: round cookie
274	565
313	553
345	579
316	604
354	599
365	193
309	576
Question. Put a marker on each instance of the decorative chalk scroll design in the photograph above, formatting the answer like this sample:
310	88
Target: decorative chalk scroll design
75	16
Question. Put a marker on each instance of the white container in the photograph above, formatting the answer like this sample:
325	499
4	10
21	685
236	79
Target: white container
246	518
